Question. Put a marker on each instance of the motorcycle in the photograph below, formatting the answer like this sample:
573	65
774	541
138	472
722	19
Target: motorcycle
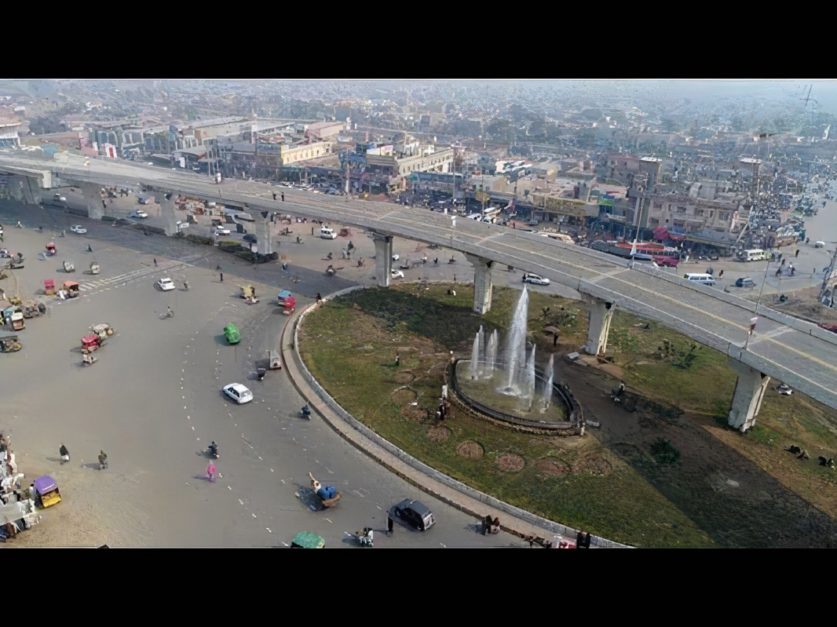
365	537
305	412
212	451
451	260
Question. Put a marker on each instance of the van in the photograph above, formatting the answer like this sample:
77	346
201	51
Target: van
327	233
755	254
703	279
819	244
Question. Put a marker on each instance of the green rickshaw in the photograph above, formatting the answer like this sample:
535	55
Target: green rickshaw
232	334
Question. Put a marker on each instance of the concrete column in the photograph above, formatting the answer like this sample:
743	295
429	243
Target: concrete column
31	191
93	199
16	183
599	318
263	236
748	395
483	285
383	259
168	211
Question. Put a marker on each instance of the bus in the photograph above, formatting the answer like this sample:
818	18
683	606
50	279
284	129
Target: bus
754	254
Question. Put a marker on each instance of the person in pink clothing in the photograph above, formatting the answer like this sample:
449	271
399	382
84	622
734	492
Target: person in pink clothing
211	471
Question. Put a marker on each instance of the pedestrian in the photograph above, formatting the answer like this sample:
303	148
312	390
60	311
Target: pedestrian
274	195
753	322
155	262
283	196
397	360
807	239
319	299
796	254
211	471
65	454
312	231
221	276
720	274
104	205
390	525
587	540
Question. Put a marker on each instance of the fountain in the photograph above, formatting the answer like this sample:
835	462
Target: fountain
508	390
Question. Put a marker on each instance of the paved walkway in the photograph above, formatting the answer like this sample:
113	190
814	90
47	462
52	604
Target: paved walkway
478	508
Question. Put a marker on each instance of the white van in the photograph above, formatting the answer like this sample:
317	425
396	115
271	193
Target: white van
819	244
755	254
327	233
703	279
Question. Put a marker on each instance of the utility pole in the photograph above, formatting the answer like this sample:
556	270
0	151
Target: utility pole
827	276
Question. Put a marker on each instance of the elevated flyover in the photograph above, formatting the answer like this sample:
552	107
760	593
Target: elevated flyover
796	352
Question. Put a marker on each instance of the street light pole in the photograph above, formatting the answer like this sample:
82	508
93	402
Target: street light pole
758	300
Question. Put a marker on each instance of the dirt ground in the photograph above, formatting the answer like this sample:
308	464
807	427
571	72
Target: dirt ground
741	492
805	304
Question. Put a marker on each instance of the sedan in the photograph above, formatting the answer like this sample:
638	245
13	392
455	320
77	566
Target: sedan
165	284
77	228
744	281
237	392
139	213
222	230
535	279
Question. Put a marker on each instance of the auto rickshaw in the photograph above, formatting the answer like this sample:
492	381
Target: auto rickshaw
103	331
49	287
71	288
69	266
274	361
47	490
248	293
14	318
9	342
15	263
232	334
287	302
51	250
94	268
307	540
90	343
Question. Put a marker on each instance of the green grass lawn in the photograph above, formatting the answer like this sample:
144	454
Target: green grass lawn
350	347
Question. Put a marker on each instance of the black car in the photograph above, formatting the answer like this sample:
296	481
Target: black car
415	513
249	238
744	281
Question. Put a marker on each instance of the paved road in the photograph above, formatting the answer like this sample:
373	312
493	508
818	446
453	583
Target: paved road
153	403
788	353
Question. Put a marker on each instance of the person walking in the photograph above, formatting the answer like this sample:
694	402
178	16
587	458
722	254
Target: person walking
65	454
211	472
390	525
221	276
319	299
796	254
397	360
283	196
274	195
155	262
587	540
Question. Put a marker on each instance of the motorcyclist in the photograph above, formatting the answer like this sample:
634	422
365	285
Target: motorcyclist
19	224
330	256
306	411
169	312
213	449
368	536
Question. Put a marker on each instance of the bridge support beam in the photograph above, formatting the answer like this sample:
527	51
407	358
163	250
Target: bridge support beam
383	258
483	284
168	211
748	395
598	318
31	190
265	244
93	200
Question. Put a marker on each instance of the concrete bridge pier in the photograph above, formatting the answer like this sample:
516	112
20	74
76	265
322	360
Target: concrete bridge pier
598	318
483	284
31	191
94	201
265	244
168	212
748	395
383	258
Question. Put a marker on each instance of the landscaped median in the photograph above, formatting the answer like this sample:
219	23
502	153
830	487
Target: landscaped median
651	478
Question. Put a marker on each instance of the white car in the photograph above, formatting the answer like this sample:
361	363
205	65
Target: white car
139	213
397	274
534	278
60	198
239	393
165	284
222	230
77	228
182	225
396	257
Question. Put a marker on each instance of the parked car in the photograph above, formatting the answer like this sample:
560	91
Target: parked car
744	281
77	228
237	392
139	213
165	284
536	279
415	513
222	230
